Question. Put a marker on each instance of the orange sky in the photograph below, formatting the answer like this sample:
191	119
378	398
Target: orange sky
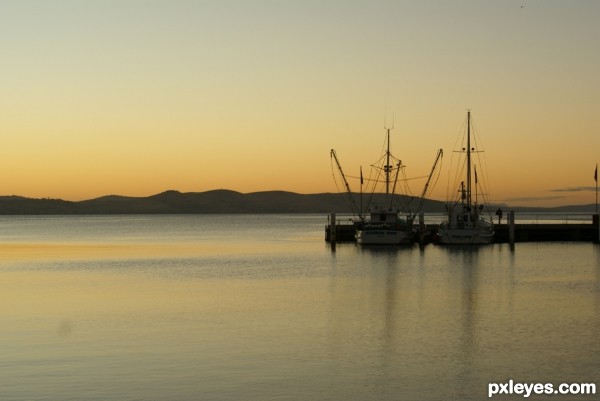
137	97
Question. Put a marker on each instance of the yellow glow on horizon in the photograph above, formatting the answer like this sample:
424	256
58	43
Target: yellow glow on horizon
105	98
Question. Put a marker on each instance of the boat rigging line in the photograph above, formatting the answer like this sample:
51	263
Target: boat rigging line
438	158
351	201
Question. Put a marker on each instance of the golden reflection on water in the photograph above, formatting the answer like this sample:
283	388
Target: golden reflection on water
361	324
70	251
110	330
55	251
61	301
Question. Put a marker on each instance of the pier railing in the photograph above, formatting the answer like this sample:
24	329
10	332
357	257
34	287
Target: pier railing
526	218
551	218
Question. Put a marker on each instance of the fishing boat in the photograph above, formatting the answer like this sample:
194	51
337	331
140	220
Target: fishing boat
386	224
385	227
464	223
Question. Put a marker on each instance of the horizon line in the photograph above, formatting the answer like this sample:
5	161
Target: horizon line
494	204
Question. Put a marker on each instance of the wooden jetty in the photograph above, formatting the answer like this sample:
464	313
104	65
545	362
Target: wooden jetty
523	232
543	232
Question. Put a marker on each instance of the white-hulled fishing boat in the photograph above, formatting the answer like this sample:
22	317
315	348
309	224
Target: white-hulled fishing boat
386	225
464	223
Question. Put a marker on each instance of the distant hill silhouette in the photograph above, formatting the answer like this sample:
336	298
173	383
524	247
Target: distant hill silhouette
226	201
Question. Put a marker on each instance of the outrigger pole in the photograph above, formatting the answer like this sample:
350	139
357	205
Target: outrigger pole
339	166
361	193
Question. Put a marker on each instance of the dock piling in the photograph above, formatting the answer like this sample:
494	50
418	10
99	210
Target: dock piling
596	222
332	224
511	228
421	229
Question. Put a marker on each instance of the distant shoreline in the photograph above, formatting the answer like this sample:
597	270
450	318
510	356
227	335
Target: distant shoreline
224	201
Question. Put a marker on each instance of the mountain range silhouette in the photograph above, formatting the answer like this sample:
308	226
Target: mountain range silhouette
225	201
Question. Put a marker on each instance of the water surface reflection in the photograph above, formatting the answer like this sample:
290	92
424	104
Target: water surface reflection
278	316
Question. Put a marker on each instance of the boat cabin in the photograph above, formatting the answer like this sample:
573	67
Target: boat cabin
381	216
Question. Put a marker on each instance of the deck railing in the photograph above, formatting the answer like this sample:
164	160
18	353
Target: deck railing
551	218
520	218
525	218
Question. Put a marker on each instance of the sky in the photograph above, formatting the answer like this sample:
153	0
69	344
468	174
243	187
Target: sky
135	97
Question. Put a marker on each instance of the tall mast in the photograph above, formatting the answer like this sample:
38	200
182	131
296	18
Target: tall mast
469	158
387	166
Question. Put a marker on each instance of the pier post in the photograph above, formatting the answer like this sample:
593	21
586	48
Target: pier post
511	228
332	224
421	229
596	223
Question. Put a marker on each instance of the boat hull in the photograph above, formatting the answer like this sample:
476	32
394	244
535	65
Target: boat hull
465	236
384	237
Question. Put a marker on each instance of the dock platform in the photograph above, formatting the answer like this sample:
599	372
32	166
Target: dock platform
544	232
524	232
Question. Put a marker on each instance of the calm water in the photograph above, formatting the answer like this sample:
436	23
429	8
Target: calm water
260	308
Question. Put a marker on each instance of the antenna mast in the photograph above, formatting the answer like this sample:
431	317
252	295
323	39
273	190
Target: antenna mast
469	158
388	168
